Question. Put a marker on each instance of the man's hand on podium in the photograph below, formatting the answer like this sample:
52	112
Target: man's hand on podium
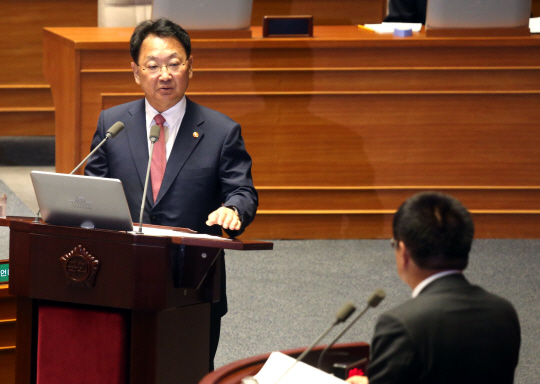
226	217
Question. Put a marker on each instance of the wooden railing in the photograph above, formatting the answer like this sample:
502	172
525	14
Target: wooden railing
7	333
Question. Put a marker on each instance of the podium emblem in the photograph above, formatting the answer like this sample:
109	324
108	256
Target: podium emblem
80	268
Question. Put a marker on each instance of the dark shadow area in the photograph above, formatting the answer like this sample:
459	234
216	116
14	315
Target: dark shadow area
27	150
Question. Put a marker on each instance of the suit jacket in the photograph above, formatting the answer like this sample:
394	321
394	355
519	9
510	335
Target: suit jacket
407	11
453	332
202	172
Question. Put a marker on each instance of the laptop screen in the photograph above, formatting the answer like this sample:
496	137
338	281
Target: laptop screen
81	201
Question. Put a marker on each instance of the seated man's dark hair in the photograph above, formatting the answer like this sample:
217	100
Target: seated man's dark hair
161	28
436	229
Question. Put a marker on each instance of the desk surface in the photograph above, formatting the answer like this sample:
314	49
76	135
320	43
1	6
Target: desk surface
114	38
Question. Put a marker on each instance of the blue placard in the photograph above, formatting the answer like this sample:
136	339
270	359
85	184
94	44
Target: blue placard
4	273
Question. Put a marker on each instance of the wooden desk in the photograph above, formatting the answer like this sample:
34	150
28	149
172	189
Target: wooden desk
234	372
344	126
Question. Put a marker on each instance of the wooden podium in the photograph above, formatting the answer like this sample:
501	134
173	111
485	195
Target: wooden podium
234	372
158	289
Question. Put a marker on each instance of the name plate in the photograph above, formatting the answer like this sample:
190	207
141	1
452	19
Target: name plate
288	26
4	273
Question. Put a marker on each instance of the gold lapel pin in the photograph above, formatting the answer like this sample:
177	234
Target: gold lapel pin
195	134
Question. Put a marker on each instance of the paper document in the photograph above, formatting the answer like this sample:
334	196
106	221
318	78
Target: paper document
534	24
150	231
389	27
278	363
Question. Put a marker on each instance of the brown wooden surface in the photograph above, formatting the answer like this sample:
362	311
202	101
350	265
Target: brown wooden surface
7	334
477	32
7	366
234	372
338	122
21	33
136	274
535	9
137	277
25	368
187	331
131	272
26	107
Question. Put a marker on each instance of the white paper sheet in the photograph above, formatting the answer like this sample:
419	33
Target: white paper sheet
389	27
150	231
534	24
278	363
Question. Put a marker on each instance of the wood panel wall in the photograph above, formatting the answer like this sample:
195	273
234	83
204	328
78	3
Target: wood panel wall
7	334
26	106
535	9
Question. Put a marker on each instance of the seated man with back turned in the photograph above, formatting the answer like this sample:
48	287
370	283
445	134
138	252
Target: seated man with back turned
200	173
450	331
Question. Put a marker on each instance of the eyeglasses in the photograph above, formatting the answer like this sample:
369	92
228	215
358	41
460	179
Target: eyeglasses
394	243
154	69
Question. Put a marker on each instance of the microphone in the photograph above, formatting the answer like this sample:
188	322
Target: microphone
372	302
344	313
111	132
154	136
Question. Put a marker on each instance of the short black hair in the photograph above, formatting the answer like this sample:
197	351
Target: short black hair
436	229
160	28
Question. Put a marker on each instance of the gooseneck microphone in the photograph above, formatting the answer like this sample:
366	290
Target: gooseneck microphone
111	132
372	302
154	136
344	313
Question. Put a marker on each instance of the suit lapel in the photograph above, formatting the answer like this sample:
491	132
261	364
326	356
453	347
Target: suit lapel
184	145
138	142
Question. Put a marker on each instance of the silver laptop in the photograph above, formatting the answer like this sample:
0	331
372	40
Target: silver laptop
478	13
81	201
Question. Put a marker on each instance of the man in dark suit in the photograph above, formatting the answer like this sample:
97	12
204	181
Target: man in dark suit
200	173
406	11
450	331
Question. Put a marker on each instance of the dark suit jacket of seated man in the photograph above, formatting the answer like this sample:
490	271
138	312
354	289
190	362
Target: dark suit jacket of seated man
406	11
207	183
451	331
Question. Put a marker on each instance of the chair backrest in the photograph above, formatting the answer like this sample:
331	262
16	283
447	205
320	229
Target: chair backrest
205	14
478	13
123	13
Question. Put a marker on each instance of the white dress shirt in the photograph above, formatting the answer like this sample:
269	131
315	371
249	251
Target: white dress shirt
416	291
173	118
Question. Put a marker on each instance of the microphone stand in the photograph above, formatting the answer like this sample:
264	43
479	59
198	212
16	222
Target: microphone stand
373	301
341	316
154	136
111	132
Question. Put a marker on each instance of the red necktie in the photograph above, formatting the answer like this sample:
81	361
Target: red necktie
159	158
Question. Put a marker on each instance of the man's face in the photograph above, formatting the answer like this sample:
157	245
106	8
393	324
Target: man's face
162	89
